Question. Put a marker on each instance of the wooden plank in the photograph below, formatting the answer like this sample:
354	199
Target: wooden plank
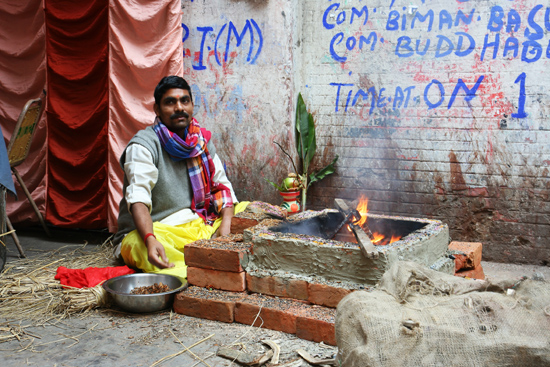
342	206
363	240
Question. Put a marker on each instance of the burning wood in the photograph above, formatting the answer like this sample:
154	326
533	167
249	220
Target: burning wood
362	220
377	239
363	239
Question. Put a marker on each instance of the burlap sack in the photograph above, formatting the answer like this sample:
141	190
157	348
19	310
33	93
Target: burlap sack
420	317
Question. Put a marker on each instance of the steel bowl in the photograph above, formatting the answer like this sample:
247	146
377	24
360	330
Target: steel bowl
120	289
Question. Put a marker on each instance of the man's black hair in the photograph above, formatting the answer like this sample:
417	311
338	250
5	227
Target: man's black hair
170	82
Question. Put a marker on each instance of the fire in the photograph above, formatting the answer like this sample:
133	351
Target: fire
382	240
378	238
362	209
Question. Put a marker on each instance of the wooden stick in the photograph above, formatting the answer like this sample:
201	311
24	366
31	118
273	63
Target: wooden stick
33	204
289	157
364	242
15	238
183	345
182	351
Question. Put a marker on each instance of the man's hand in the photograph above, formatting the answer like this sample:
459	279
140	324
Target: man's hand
223	230
156	254
144	224
225	226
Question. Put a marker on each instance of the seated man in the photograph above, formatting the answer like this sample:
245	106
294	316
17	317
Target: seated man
175	188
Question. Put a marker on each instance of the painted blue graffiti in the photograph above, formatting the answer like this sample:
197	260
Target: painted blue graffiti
402	96
445	19
341	17
227	35
236	103
349	34
217	99
531	49
444	47
521	100
185	32
356	15
351	42
460	85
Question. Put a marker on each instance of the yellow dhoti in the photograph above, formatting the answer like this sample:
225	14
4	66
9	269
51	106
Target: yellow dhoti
173	238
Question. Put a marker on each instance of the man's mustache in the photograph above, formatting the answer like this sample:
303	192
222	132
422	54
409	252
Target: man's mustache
179	114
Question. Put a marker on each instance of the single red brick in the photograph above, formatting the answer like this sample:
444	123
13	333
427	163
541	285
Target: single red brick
224	280
476	273
326	295
216	255
238	225
276	286
318	326
269	312
467	254
204	304
269	318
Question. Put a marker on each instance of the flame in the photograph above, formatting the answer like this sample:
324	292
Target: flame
377	237
394	238
362	209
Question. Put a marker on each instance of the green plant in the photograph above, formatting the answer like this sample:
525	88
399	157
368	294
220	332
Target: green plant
306	145
291	183
280	187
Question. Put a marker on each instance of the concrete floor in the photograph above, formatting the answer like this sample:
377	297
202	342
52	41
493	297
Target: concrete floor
108	337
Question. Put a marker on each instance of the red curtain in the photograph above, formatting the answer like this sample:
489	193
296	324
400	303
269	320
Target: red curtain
23	77
102	59
145	45
78	115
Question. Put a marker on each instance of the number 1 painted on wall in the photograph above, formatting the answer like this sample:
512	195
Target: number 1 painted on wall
521	101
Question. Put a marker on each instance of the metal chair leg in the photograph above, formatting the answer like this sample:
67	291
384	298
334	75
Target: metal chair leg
15	238
28	194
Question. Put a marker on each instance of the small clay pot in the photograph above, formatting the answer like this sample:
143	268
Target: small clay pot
290	203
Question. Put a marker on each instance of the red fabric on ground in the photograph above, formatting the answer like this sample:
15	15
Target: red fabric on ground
89	277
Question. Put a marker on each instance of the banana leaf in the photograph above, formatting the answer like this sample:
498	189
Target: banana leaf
305	133
316	176
312	142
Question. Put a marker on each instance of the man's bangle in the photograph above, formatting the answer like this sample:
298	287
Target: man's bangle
147	236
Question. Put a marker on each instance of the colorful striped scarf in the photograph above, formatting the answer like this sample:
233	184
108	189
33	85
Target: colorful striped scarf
209	197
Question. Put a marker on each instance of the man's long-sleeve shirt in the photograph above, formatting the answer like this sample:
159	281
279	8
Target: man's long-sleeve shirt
142	176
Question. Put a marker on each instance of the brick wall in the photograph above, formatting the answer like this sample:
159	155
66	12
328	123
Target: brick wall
239	61
457	130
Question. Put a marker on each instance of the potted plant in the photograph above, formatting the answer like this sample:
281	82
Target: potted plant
306	146
289	189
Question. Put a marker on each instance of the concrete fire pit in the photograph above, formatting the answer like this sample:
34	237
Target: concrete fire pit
283	275
280	252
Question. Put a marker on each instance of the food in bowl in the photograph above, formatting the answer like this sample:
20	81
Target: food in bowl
120	291
152	289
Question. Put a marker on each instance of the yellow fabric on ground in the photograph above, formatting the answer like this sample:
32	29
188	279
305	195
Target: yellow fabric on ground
174	238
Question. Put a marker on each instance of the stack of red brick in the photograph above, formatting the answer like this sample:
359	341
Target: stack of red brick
467	259
220	289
